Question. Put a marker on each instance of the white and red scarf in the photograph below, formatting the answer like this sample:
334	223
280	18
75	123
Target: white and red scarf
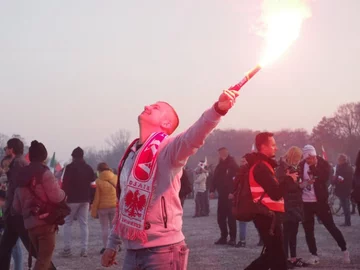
131	214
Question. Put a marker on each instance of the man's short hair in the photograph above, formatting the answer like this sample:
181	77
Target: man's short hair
177	120
16	145
262	139
222	148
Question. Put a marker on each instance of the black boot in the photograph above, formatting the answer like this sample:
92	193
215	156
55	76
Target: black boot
221	241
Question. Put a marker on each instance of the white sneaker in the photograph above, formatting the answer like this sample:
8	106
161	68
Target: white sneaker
347	257
313	260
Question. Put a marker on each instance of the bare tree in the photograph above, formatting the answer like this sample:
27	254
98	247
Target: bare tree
117	144
341	132
119	139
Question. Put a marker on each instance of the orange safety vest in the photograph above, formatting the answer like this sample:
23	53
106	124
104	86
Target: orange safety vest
257	191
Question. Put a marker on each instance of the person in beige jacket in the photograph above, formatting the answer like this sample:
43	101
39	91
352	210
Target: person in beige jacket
104	204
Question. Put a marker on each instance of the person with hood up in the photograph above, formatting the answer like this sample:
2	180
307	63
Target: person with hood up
223	183
104	204
38	183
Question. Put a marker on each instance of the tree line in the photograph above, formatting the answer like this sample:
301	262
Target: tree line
339	133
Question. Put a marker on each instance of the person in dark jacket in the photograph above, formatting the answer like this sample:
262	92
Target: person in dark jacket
270	192
343	185
287	171
356	182
186	188
14	223
76	184
209	181
38	185
223	183
314	171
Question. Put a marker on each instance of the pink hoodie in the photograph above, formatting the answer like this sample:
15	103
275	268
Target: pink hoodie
165	211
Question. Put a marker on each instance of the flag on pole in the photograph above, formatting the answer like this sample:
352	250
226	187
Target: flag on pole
324	155
52	163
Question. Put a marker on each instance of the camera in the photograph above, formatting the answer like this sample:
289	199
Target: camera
293	169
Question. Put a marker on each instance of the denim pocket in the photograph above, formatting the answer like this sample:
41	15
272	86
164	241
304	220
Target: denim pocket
183	257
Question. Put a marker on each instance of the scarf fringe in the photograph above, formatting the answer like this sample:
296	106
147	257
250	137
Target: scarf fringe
127	232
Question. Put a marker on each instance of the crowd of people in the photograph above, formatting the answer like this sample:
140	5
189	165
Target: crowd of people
140	208
297	190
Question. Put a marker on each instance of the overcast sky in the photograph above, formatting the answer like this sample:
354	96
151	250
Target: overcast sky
73	72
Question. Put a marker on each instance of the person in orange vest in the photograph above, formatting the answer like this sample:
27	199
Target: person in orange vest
269	192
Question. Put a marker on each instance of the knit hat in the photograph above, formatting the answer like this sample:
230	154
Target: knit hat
308	151
37	152
78	153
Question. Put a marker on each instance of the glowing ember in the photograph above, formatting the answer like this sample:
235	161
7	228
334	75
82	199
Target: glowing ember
282	21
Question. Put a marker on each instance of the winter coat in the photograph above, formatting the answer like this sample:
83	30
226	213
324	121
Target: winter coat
356	187
200	182
343	188
321	174
15	168
264	176
105	194
292	195
223	179
186	187
76	182
47	189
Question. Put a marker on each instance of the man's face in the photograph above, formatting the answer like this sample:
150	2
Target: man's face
158	115
311	160
223	154
5	165
269	149
341	160
9	151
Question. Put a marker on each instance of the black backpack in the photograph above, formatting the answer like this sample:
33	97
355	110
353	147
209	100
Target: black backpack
51	213
244	208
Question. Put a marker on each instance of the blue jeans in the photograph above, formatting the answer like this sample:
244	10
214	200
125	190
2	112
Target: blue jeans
242	230
17	256
81	212
171	257
106	217
345	204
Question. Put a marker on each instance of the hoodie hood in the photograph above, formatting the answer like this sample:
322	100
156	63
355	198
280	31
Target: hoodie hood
253	158
108	176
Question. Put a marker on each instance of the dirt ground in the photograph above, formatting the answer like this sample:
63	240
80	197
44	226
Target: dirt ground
200	236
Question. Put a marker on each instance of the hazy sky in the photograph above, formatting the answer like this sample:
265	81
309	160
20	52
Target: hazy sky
73	72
